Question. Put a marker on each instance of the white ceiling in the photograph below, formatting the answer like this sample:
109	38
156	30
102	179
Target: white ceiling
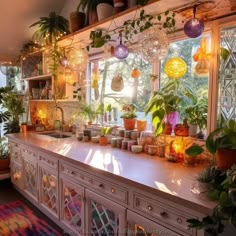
15	18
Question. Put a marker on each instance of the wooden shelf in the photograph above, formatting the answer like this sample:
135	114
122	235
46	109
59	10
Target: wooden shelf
39	77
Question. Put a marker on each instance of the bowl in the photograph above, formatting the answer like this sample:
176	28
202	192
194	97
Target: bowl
136	148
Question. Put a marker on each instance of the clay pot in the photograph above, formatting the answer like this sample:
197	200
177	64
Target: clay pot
129	124
168	129
103	140
141	125
225	158
77	21
4	164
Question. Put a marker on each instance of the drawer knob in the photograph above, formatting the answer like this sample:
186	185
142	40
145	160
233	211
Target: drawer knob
150	208
113	190
179	220
164	214
101	186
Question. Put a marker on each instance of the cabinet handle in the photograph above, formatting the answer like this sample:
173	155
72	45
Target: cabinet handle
113	190
164	214
150	208
101	186
179	220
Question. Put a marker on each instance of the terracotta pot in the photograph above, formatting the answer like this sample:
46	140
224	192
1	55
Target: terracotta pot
23	129
4	164
129	124
131	3
168	129
77	21
141	125
103	140
92	17
225	158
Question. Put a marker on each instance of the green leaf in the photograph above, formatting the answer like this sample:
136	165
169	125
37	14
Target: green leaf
159	17
194	150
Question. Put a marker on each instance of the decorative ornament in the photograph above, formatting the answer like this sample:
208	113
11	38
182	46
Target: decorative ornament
153	44
175	68
194	27
121	51
135	73
70	79
78	59
117	83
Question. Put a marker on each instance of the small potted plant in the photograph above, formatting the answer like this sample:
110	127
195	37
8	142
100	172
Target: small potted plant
221	143
129	116
87	111
103	140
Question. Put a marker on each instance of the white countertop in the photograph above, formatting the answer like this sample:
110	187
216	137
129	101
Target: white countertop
172	180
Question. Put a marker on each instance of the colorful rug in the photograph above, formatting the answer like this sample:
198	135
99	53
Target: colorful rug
16	219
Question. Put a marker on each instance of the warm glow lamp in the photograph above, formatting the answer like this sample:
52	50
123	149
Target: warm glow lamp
121	51
78	59
194	27
175	68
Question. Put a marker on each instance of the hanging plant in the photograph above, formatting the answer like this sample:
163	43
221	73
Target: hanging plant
135	73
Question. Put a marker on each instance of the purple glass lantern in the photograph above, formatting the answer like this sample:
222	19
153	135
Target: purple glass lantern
121	51
194	27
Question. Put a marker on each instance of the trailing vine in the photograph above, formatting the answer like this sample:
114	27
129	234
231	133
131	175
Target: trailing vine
130	28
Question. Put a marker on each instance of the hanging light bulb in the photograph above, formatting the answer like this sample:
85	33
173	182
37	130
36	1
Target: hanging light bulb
121	51
175	68
194	27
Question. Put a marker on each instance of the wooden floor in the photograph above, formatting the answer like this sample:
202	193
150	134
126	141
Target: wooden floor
9	194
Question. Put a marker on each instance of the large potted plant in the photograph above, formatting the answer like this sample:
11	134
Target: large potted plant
172	97
129	116
221	143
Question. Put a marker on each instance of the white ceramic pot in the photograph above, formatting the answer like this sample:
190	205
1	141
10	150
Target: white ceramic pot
104	11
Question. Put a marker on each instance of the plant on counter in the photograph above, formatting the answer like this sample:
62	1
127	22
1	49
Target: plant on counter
221	143
222	187
129	111
170	98
88	111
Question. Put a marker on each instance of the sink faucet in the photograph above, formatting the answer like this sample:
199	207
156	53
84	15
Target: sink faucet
62	117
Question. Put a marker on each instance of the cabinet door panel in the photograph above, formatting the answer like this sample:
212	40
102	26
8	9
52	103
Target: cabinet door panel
103	216
141	226
17	175
49	190
30	178
72	209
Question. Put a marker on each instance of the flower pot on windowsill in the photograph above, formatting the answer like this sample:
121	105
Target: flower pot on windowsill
103	140
4	163
225	158
77	21
129	124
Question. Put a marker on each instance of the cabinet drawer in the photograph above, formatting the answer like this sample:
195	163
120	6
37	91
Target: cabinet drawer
48	161
102	186
29	154
162	212
15	152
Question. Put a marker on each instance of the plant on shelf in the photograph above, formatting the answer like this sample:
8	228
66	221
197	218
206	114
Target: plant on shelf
170	98
221	143
103	140
48	32
221	187
197	115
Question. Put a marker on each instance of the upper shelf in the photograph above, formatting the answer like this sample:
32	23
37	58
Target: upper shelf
39	77
208	10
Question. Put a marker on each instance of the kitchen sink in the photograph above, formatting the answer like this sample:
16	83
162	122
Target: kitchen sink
56	135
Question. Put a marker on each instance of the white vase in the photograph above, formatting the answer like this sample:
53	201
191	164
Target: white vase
104	11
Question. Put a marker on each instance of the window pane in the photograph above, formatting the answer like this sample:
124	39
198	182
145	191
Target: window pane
116	86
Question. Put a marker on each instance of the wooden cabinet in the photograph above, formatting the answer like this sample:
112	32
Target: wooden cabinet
140	226
72	206
84	201
103	216
48	184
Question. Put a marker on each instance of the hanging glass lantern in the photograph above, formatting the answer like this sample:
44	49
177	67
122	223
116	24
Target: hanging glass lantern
78	59
153	44
194	27
175	68
121	51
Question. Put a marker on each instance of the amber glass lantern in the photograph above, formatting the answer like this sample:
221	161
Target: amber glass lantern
175	68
